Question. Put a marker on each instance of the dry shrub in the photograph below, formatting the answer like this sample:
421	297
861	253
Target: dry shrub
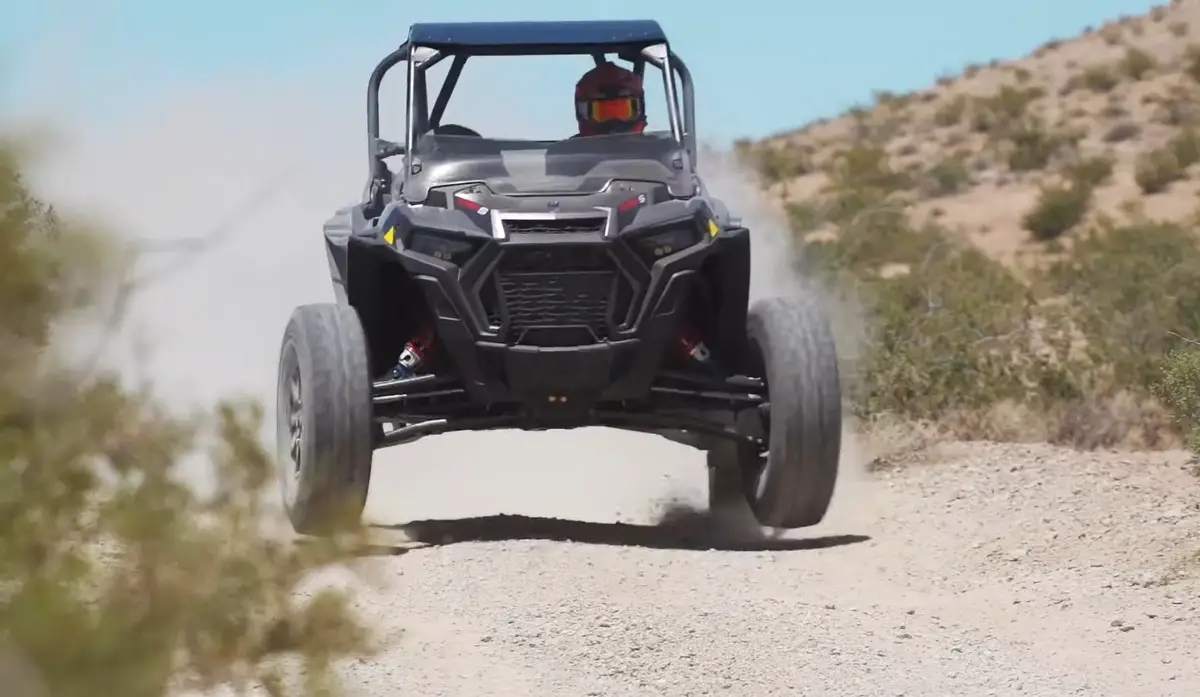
1032	146
1092	171
777	162
951	112
962	343
1007	106
866	167
119	578
1084	351
1156	170
950	336
1185	146
1059	208
1179	388
1137	63
949	176
1191	62
1127	419
1130	287
1100	78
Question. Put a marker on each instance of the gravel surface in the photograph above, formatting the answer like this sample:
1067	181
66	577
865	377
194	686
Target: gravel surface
586	568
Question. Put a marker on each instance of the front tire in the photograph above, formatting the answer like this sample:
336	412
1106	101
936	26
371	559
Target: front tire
323	419
791	484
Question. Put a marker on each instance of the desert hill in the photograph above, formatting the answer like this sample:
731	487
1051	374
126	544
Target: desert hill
1022	238
1115	107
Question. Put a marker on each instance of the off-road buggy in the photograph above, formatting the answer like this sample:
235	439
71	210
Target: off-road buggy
496	284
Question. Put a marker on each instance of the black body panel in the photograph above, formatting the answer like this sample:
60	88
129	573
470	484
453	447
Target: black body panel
545	283
562	306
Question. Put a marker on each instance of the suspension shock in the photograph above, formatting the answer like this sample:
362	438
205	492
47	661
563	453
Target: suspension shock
414	355
691	349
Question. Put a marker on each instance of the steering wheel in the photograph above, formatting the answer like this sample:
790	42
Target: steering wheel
453	129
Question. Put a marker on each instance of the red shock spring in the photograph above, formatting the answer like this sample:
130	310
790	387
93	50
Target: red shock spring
691	347
415	352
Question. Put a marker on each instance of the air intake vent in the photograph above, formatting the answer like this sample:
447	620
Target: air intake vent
523	226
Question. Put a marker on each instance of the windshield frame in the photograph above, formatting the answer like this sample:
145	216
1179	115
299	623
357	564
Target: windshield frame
566	167
419	119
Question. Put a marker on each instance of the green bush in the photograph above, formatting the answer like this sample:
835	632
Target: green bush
1100	78
1157	170
1191	62
1059	208
1130	287
1092	172
778	163
1002	111
118	578
1033	146
951	112
947	177
1185	146
1137	63
950	337
1179	389
867	167
878	236
1083	347
804	216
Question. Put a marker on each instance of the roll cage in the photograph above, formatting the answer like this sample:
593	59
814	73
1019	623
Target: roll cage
640	42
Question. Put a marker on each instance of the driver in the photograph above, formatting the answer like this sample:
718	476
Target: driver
608	100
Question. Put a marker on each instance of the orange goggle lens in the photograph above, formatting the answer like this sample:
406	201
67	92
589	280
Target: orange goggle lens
616	109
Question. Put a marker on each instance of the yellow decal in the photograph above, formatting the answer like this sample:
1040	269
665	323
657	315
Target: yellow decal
713	228
390	236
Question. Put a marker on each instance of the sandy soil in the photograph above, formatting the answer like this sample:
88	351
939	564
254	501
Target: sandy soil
975	569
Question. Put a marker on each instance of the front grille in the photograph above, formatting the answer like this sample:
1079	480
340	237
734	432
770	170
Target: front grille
558	300
557	287
520	226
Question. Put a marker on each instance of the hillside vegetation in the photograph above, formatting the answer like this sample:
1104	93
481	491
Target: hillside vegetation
1024	237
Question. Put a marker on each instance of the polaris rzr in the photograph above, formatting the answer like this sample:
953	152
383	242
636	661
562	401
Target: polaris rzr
489	283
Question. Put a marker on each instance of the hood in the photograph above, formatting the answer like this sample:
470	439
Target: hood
622	205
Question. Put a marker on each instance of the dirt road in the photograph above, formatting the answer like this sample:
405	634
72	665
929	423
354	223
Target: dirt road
974	570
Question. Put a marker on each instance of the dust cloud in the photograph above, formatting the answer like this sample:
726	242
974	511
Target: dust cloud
778	269
252	176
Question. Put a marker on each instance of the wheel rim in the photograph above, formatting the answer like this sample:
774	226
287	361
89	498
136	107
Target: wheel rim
290	431
295	414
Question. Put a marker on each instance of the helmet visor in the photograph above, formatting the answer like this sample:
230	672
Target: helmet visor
612	109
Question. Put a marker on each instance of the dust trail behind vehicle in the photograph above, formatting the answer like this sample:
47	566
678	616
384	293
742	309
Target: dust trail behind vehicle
212	326
778	269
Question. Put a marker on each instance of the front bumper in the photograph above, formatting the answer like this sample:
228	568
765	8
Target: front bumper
581	319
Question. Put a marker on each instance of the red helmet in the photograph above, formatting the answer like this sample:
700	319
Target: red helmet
610	99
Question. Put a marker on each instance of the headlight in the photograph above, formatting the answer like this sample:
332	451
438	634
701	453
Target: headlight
654	245
445	246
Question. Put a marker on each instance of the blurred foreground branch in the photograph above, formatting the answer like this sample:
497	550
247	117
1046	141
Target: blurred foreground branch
116	577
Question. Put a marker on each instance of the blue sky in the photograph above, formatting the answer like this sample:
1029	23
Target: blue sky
761	66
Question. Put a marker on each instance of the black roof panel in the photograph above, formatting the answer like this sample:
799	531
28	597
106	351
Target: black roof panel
532	35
